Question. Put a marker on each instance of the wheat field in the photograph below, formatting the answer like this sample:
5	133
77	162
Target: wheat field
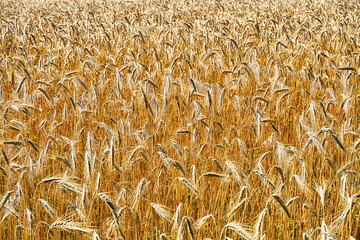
179	119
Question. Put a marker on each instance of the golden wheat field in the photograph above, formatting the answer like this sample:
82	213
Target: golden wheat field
179	119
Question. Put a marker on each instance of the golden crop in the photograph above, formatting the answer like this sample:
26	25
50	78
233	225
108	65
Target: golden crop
179	119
